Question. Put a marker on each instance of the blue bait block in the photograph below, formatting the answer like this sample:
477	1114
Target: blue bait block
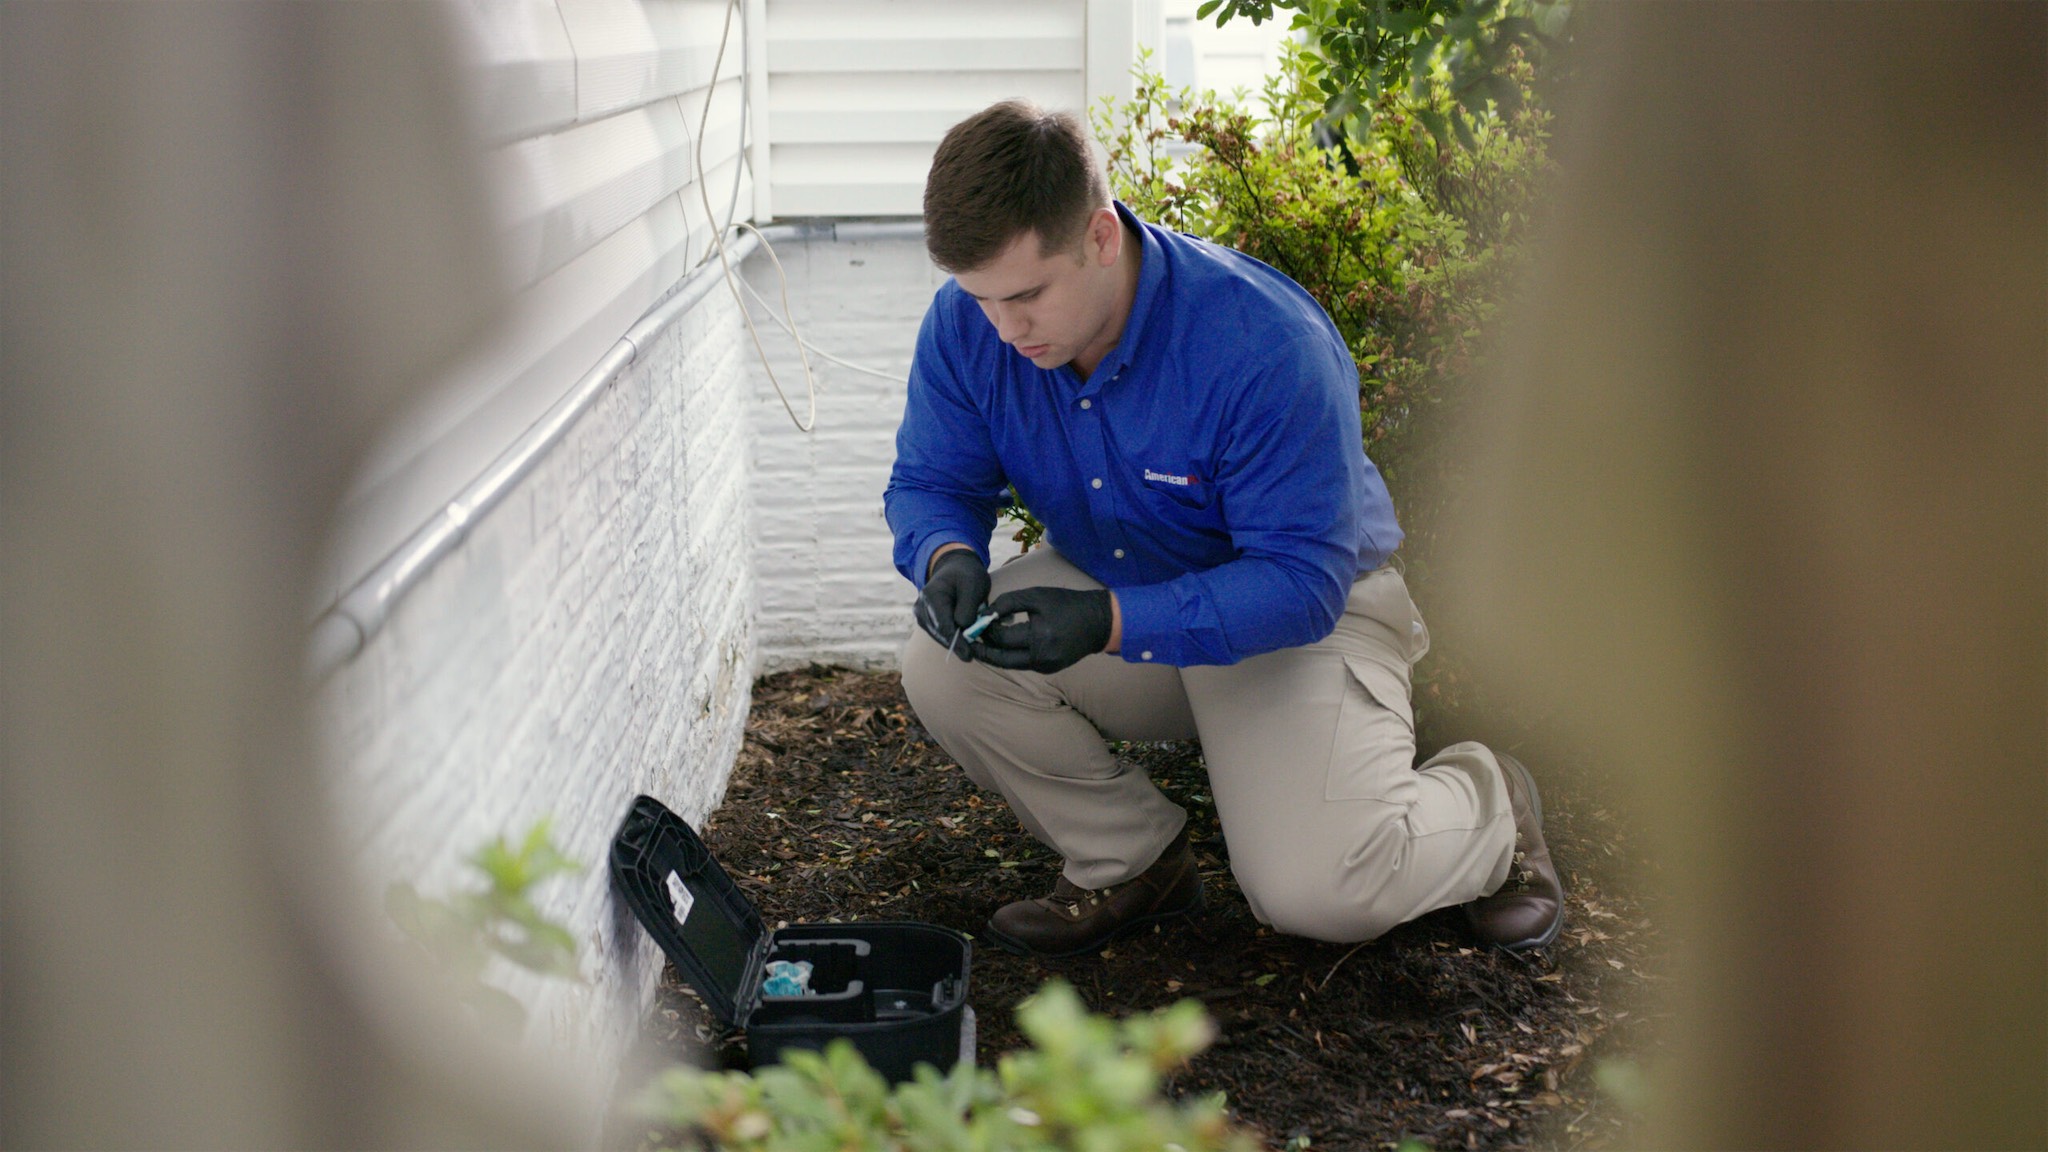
787	978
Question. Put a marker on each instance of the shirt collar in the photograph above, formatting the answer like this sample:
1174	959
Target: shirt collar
1151	274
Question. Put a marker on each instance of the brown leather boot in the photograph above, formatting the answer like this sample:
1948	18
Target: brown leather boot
1528	910
1074	919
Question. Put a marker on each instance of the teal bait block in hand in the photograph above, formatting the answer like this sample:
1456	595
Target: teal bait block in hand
973	631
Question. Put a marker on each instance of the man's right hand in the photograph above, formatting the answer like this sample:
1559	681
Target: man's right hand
953	596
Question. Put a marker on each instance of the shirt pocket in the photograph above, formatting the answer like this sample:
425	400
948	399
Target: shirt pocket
1173	516
1191	505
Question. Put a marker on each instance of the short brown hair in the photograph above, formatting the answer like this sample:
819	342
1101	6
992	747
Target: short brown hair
1009	169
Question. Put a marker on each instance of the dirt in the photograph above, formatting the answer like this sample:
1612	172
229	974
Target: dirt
842	808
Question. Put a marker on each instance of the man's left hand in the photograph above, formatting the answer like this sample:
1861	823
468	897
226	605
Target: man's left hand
1061	626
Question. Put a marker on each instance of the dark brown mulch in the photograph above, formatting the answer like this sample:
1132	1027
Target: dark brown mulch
841	807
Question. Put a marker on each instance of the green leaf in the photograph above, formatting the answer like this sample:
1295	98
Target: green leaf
1406	23
1439	129
1463	130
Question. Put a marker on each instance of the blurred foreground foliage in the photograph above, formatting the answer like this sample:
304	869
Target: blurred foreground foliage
1085	1083
461	934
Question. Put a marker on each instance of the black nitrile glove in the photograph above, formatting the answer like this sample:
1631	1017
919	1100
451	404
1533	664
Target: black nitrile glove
952	598
1062	625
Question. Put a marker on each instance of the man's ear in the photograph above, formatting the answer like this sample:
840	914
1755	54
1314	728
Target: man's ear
1105	236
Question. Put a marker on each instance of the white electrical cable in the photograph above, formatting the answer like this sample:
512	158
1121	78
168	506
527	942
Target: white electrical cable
892	377
743	163
718	239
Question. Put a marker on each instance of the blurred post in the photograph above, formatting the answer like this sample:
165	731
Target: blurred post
235	235
1765	519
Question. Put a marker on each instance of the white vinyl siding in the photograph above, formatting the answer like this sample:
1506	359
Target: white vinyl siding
595	106
522	69
859	92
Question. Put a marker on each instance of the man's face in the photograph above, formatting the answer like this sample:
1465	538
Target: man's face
1054	308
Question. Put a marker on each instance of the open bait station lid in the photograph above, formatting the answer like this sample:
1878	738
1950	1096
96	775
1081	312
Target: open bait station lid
897	989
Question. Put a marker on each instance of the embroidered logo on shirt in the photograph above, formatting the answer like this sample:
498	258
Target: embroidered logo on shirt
1169	478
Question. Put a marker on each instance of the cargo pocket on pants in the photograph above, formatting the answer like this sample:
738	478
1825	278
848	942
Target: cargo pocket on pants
1373	752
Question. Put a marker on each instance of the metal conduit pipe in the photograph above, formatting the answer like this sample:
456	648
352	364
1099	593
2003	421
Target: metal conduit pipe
343	630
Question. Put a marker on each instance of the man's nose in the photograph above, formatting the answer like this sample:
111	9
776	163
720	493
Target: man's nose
1010	325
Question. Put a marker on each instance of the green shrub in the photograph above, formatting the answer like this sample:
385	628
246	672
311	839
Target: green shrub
1354	237
1405	243
1408	243
1029	531
1086	1084
1470	52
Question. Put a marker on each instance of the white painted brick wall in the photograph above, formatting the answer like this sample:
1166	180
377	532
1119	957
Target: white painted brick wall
595	634
592	638
829	592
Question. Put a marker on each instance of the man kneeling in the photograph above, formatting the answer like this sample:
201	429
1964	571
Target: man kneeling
1184	421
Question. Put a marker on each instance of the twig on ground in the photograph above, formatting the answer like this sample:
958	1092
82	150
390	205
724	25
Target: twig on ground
1340	964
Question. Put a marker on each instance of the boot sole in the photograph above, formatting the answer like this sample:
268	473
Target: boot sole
1018	948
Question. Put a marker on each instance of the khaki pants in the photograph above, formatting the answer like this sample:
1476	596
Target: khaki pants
1333	832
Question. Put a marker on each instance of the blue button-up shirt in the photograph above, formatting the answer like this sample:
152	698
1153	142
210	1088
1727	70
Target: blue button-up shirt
1210	469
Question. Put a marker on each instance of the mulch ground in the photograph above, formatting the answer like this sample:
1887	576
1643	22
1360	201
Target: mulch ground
842	808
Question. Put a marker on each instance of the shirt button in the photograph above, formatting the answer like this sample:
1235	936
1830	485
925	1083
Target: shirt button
1087	403
1119	553
1095	483
1145	655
